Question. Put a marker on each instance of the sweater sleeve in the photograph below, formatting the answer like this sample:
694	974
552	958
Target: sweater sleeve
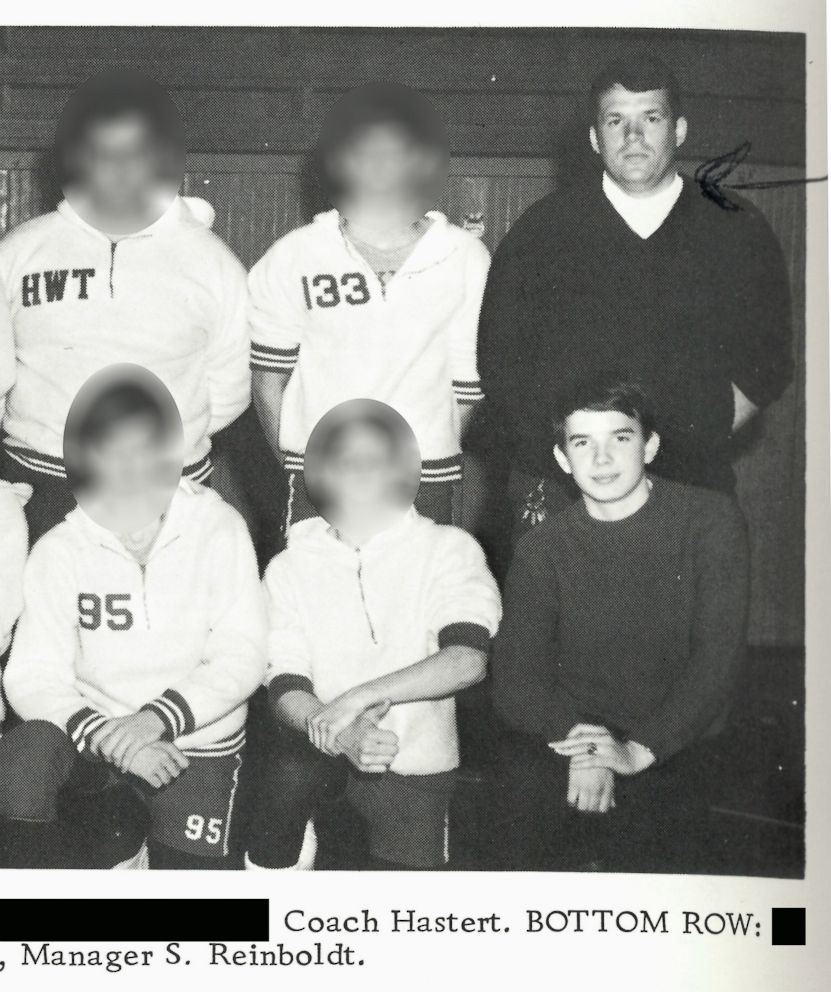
463	339
40	678
229	376
289	655
277	314
702	693
758	327
504	301
516	317
525	689
233	662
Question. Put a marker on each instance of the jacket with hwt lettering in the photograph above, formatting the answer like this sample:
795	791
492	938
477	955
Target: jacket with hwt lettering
101	636
171	298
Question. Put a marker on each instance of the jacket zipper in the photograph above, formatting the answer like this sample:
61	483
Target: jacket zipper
113	246
363	599
144	594
143	570
368	270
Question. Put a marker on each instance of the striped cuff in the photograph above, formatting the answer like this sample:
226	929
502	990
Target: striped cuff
442	469
273	359
469	635
36	461
288	682
198	471
82	725
467	390
293	461
172	709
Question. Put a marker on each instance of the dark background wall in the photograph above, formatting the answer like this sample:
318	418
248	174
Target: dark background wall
504	92
512	99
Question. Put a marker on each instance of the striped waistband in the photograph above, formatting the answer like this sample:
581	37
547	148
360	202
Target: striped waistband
219	749
36	461
270	359
432	469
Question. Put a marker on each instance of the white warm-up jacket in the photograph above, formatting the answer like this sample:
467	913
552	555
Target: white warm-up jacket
171	298
319	312
339	617
102	636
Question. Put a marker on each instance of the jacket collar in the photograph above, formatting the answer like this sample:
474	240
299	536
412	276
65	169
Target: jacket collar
170	531
433	247
189	211
319	533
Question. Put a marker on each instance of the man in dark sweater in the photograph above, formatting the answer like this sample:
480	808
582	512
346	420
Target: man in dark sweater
622	638
635	271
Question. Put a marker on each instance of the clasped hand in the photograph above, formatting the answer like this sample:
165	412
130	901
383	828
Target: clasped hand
349	727
592	747
595	757
133	744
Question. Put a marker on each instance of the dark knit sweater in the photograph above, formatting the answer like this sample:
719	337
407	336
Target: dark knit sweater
701	303
638	624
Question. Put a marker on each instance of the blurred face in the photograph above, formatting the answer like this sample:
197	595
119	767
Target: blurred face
383	160
607	454
637	135
361	474
121	167
129	462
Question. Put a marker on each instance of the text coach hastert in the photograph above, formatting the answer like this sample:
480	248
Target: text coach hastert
399	921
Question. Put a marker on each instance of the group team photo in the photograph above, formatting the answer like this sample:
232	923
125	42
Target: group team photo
402	467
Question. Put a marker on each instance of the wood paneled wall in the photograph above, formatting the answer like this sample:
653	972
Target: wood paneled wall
252	99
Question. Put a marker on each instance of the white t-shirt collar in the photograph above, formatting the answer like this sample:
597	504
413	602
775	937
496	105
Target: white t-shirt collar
643	214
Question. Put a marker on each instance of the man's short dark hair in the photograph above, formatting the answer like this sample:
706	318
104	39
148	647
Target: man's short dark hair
637	72
605	395
107	97
377	104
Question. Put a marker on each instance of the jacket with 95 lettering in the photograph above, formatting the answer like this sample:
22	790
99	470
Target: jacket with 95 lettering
102	636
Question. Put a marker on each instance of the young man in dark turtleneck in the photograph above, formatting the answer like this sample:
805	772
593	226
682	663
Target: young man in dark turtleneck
623	634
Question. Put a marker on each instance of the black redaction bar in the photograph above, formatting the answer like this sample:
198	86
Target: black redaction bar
134	919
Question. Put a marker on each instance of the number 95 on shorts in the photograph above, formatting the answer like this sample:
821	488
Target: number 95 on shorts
194	813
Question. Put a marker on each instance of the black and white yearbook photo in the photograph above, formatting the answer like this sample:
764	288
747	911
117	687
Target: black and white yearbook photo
403	459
